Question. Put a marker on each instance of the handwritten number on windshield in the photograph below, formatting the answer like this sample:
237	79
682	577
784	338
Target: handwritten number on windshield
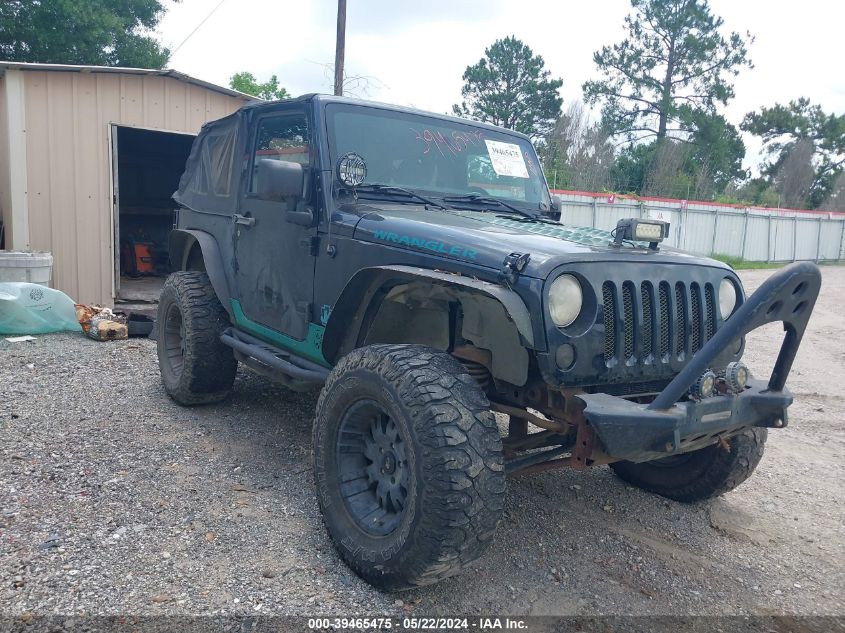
459	141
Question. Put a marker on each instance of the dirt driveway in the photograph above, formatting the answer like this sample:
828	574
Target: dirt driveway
114	500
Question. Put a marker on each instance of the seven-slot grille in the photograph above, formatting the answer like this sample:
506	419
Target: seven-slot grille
656	320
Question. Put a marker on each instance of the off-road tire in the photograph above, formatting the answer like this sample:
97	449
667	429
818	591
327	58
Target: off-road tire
207	368
707	472
453	454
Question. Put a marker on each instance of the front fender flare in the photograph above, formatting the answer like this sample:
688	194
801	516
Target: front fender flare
180	243
348	313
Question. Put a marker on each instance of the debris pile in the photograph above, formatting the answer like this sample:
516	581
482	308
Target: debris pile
101	323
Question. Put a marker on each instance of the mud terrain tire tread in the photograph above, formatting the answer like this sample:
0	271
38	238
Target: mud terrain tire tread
458	499
711	471
209	366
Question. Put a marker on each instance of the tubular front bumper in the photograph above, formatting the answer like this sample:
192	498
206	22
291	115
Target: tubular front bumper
638	433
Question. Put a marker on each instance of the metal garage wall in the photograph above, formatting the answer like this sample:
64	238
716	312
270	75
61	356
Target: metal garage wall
68	117
5	193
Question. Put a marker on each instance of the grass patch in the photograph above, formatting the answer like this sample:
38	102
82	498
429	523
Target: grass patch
738	263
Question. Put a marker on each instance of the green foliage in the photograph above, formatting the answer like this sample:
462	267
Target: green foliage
758	192
510	87
724	198
96	32
800	138
269	90
701	167
632	165
659	89
673	67
715	145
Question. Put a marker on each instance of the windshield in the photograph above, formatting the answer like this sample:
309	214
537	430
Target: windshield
436	156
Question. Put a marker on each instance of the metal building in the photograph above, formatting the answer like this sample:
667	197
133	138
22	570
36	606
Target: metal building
89	156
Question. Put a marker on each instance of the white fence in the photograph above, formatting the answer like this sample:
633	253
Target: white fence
754	234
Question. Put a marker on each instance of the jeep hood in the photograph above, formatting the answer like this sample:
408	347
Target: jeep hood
486	238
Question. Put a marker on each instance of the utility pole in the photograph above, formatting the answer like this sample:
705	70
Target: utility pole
340	47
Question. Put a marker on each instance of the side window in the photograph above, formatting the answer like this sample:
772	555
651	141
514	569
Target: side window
199	179
282	137
213	172
221	155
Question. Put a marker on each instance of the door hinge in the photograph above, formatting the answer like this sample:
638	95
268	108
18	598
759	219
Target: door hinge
312	244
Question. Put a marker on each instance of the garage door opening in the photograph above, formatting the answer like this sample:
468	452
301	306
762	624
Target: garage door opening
147	165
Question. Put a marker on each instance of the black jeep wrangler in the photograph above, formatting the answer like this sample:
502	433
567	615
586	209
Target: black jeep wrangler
411	266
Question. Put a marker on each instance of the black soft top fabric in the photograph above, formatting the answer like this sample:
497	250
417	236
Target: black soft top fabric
210	179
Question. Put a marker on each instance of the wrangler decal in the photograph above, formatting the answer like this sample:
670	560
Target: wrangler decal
429	245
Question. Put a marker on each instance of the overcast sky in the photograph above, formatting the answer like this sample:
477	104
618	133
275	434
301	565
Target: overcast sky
414	52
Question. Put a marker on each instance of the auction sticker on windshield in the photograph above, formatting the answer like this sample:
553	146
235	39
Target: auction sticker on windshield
507	159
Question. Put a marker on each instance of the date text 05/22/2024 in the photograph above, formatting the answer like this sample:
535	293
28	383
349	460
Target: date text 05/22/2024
418	624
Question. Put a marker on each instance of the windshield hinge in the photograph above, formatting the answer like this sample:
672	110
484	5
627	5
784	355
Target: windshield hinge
513	264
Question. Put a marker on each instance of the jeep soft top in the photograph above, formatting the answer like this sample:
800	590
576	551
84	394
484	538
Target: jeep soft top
412	267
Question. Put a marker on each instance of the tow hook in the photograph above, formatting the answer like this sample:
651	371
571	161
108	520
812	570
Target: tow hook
513	264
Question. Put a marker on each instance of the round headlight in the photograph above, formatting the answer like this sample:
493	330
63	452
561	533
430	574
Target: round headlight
565	300
727	297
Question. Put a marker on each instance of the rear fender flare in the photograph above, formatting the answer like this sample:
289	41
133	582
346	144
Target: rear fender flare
180	245
348	313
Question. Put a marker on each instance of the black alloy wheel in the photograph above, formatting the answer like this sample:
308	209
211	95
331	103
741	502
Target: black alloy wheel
373	468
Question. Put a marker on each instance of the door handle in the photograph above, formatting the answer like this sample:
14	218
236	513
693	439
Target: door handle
243	219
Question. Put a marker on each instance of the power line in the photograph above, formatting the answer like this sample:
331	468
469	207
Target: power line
197	28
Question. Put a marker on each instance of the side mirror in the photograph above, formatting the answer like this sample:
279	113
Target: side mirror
279	180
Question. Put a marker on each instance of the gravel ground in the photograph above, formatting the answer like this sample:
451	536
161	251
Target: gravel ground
114	500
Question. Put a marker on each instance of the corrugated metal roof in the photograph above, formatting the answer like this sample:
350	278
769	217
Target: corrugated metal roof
126	71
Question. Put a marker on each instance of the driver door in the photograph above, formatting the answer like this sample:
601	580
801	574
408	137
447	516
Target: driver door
274	265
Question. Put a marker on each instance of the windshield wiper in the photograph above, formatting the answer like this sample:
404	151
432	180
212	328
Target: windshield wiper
379	188
477	197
